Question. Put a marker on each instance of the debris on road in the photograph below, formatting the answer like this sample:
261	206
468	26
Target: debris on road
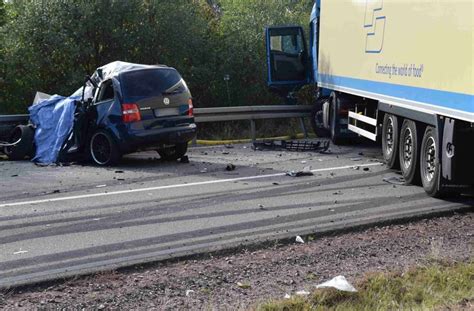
230	167
243	285
299	239
229	146
287	296
20	252
299	173
339	283
290	145
396	180
302	293
189	292
356	159
118	172
101	186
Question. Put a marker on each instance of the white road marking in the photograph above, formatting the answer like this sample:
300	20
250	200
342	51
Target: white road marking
201	183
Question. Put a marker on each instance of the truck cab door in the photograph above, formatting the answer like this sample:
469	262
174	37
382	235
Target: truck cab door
287	58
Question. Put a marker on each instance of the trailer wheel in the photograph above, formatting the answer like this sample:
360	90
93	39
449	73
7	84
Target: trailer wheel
24	148
390	141
409	147
317	118
429	163
103	150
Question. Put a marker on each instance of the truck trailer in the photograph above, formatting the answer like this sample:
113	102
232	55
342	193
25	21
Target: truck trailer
397	72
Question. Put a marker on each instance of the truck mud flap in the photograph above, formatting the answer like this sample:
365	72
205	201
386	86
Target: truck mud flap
457	166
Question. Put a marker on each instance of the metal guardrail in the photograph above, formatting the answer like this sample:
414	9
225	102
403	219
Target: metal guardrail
252	113
203	115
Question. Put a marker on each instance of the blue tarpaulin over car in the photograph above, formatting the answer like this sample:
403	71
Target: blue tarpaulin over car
54	120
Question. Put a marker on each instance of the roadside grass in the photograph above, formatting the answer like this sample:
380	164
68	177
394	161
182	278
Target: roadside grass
436	286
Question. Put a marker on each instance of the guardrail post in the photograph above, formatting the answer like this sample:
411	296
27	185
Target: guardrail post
303	128
253	131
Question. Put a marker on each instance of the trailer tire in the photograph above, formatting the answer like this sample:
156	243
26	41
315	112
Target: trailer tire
430	169
25	148
333	122
408	149
317	118
390	140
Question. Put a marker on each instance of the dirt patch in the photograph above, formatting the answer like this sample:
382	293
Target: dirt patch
243	280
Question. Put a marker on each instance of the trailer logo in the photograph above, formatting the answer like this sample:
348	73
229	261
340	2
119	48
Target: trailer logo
374	23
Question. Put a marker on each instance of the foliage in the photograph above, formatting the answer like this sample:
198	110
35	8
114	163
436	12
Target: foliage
50	45
424	288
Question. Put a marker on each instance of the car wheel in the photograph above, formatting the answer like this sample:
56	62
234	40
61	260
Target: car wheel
173	153
409	147
390	140
25	147
103	150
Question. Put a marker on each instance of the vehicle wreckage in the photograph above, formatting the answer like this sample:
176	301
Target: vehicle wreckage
122	108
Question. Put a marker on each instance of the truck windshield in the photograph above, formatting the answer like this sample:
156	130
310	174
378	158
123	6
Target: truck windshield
150	82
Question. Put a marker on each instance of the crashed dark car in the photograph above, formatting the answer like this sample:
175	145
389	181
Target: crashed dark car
122	108
136	107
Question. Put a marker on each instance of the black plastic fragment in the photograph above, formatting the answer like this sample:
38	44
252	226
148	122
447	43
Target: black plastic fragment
292	145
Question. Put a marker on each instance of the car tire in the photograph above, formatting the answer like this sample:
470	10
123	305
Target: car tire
173	153
103	149
26	147
409	146
317	122
390	141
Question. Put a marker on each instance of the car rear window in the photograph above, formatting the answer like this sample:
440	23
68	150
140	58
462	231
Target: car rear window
149	82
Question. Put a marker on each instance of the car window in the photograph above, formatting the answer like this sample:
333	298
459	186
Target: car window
150	82
106	92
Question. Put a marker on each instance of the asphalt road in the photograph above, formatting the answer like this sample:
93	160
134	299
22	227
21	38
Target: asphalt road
63	221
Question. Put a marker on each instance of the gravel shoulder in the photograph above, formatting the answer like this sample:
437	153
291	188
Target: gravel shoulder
210	283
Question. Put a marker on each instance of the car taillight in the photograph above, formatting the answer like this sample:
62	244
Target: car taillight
130	113
190	108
